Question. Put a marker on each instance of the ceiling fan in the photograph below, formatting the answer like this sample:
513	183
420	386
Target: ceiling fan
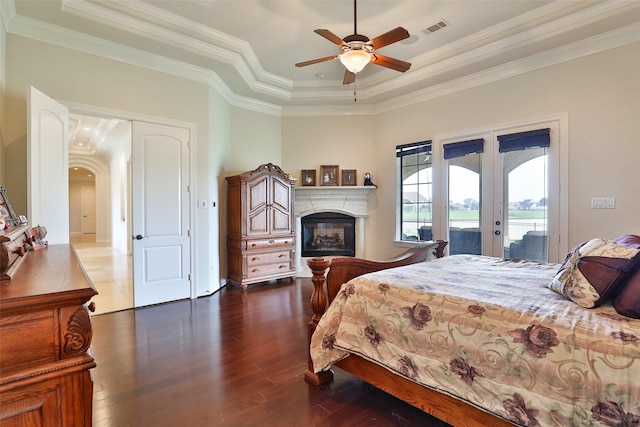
358	50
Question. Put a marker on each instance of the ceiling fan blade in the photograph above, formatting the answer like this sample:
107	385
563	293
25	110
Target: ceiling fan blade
389	37
315	61
394	64
330	36
349	77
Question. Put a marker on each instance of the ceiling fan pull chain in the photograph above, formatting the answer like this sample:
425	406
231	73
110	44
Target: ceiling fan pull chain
355	86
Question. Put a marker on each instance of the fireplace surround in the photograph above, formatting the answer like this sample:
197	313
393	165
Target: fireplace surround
349	200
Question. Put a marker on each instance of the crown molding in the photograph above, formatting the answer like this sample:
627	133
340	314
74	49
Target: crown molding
209	42
613	39
322	99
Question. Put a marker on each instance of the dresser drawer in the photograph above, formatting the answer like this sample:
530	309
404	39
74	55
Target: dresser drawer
276	268
270	243
268	257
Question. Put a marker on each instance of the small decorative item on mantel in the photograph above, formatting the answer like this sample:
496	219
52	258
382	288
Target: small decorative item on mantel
368	180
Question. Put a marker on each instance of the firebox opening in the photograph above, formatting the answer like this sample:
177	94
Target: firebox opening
328	234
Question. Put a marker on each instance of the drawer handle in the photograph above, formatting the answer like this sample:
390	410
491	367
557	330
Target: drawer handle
283	255
92	306
253	244
282	266
254	270
271	242
255	258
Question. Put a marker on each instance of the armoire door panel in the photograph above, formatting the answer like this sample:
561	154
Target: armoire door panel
258	195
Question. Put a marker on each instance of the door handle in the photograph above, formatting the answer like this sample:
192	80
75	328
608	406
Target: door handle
139	237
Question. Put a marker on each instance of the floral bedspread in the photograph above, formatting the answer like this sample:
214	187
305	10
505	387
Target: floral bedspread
491	333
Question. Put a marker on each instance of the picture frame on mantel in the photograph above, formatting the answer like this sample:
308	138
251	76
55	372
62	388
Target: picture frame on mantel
329	175
349	177
308	178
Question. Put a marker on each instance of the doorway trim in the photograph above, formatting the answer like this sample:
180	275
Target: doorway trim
97	111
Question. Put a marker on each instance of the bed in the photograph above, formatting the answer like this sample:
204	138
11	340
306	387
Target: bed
480	341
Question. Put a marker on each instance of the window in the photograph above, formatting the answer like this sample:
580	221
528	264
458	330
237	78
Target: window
494	191
416	189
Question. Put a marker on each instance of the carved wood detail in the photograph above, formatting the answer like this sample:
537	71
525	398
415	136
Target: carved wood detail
77	336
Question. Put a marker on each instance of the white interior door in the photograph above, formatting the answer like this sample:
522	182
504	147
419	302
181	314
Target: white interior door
160	219
48	166
88	209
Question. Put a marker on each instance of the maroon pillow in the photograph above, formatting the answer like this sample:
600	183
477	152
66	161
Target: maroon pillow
627	302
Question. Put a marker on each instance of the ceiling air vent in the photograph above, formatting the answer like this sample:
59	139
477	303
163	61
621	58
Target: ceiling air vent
435	27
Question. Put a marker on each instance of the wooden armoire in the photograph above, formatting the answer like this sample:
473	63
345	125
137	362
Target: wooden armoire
261	235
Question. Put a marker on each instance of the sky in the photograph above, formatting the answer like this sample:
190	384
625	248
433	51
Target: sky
523	184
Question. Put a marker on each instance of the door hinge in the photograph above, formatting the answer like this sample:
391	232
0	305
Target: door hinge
188	233
189	277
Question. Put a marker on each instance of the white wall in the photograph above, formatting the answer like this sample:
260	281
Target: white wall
80	78
599	92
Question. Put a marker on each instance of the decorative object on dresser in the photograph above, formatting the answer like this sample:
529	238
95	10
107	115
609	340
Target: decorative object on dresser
7	216
260	226
45	330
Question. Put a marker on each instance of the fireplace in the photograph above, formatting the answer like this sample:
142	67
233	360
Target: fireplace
327	234
351	201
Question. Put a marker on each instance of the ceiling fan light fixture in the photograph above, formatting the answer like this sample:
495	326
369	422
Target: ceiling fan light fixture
355	59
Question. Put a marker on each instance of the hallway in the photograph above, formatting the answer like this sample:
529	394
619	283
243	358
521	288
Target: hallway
109	270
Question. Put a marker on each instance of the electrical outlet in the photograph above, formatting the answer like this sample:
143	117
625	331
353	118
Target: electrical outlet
603	203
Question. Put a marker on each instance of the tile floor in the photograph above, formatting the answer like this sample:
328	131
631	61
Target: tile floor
109	270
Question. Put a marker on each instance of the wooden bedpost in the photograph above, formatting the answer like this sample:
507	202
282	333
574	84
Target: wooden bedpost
318	305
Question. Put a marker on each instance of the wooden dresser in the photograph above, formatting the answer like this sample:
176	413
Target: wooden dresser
261	232
45	338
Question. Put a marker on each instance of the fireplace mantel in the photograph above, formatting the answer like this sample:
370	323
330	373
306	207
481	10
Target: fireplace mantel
350	200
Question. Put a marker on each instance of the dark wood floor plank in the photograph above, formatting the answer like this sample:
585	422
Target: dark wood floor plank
235	358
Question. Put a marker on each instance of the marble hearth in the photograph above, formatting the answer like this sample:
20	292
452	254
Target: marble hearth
353	201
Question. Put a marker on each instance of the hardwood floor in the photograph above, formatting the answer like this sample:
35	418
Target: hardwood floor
235	358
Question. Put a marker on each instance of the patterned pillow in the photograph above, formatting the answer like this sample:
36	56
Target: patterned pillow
592	270
627	301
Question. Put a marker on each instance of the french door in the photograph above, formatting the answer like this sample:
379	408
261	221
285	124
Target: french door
502	189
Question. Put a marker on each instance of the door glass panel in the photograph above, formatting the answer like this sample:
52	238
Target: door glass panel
525	190
465	233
